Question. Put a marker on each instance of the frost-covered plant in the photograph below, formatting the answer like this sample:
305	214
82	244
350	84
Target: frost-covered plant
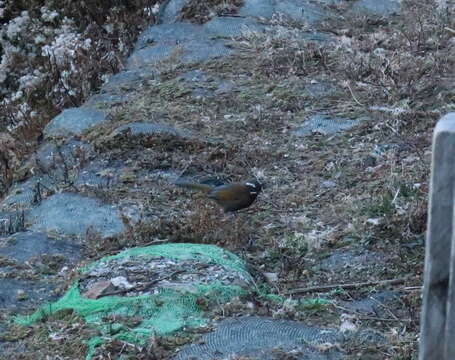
53	54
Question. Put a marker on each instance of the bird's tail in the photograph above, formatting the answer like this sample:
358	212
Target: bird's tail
194	186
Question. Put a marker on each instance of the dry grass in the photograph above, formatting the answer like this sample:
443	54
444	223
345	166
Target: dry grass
202	11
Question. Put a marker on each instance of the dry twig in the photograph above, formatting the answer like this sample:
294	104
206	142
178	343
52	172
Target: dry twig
345	286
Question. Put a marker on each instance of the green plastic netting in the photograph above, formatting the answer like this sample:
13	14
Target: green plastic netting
163	313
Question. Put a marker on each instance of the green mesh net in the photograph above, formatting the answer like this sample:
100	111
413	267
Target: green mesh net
163	313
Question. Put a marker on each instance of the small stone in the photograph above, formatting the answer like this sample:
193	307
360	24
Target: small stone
375	221
271	277
98	289
21	295
250	305
347	325
328	184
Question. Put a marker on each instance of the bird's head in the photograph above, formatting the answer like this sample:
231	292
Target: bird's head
255	186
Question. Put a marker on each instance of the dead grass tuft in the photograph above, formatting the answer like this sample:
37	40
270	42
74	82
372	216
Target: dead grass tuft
202	11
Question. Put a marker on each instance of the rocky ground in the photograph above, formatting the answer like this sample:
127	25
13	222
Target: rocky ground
331	104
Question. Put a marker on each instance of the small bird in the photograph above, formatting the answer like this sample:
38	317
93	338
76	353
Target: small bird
231	197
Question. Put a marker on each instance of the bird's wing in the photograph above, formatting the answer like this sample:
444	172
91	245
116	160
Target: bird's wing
225	194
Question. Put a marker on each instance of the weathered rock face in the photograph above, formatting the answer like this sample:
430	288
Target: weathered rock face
73	122
30	261
72	214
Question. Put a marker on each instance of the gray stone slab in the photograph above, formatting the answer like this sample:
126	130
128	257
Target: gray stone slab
72	214
118	89
377	8
123	78
100	174
192	43
170	34
74	121
149	56
24	194
25	245
232	26
49	155
341	259
258	8
191	51
54	165
324	124
19	294
438	314
373	304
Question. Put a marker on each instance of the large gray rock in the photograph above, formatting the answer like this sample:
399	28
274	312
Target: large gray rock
29	264
123	79
25	194
118	89
194	42
191	43
72	214
372	304
21	294
324	124
259	8
74	121
24	246
438	315
340	260
100	174
54	159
